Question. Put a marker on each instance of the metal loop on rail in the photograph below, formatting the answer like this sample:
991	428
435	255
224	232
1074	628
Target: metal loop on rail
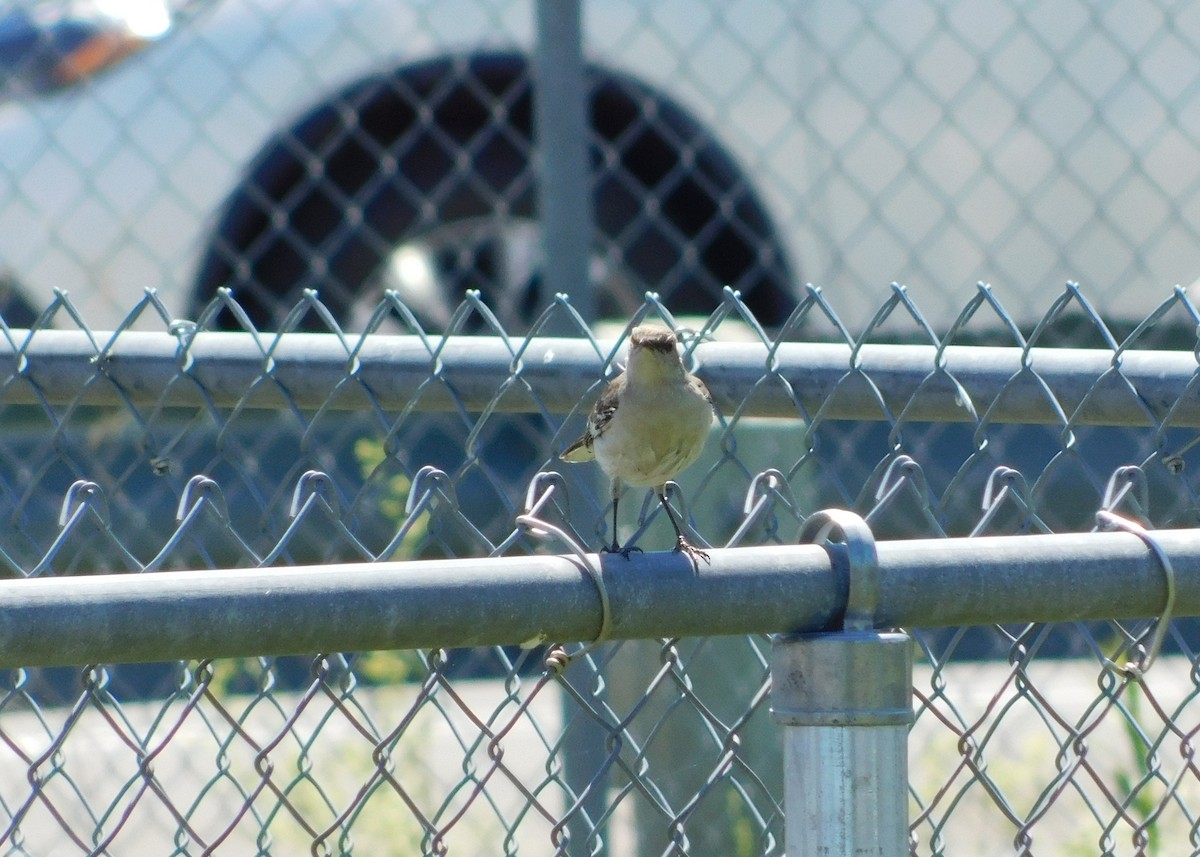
859	542
541	489
1112	521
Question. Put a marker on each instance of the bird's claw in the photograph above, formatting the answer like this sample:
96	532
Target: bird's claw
623	551
683	546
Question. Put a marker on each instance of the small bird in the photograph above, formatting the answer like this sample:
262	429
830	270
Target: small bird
649	424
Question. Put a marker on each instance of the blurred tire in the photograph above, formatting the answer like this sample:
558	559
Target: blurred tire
437	155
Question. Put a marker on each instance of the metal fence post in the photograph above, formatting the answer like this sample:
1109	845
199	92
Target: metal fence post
844	702
564	196
564	180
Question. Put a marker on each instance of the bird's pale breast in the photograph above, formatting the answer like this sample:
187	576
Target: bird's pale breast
654	436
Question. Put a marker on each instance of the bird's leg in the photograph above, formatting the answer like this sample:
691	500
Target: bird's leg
615	547
682	545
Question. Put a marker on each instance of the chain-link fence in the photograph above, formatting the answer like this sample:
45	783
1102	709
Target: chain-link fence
232	154
187	449
270	146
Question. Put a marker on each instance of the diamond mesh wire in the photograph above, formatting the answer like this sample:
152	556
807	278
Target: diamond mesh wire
357	148
1026	740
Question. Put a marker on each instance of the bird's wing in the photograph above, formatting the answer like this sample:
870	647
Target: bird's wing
598	420
606	406
580	450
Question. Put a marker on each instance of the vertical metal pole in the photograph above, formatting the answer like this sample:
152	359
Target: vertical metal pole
564	181
844	701
564	196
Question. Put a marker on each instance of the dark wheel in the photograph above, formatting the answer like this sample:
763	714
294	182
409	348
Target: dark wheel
420	180
15	309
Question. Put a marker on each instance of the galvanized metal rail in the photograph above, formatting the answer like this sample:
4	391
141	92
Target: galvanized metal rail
508	600
954	384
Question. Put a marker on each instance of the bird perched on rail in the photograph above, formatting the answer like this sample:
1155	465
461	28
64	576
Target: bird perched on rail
649	424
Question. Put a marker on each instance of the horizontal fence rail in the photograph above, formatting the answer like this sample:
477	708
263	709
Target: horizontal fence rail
513	600
951	384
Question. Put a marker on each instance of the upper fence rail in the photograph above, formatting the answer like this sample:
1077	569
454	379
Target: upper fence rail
940	380
925	383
